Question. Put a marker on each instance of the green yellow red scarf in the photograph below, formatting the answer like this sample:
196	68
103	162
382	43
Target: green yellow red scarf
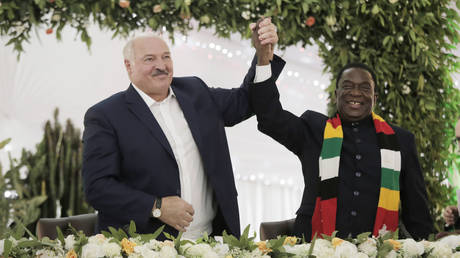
324	216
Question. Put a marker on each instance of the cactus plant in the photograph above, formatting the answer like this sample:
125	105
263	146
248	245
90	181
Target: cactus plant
47	181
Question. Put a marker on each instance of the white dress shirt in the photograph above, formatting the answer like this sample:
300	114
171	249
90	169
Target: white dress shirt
195	188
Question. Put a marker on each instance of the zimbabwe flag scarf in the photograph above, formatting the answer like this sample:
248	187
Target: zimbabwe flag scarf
324	216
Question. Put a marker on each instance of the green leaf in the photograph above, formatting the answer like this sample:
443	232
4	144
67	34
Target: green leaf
132	229
385	40
421	83
7	246
375	9
60	235
4	143
361	238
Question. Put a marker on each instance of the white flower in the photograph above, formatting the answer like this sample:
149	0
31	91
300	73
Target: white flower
69	242
188	2
323	248
346	249
98	239
56	17
221	249
452	241
456	255
331	20
298	250
392	254
361	255
46	253
400	38
246	15
383	230
368	247
441	250
410	248
143	251
167	251
111	249
19	29
91	250
393	1
406	89
205	19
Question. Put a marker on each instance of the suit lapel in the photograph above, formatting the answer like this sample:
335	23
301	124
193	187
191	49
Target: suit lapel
190	115
138	107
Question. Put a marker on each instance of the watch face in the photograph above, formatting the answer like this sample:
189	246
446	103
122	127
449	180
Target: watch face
156	213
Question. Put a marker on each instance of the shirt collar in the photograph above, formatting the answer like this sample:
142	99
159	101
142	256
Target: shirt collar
149	101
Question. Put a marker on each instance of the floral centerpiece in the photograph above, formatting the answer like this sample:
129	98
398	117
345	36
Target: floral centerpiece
118	243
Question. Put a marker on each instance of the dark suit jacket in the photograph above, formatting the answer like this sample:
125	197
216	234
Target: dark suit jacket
128	162
304	137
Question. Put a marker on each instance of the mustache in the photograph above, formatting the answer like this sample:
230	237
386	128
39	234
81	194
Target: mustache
160	72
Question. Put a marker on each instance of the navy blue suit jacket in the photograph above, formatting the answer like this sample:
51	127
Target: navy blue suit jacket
128	162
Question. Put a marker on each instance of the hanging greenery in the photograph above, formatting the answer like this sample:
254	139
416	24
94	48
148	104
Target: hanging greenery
407	42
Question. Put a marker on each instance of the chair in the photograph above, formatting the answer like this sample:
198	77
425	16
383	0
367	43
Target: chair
270	230
46	227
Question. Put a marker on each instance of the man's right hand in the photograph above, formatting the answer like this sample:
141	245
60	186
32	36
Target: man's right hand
176	212
450	215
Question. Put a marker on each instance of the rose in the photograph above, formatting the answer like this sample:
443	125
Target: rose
49	31
124	3
310	21
157	8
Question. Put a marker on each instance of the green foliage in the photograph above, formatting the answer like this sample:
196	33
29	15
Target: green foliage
407	42
47	181
244	243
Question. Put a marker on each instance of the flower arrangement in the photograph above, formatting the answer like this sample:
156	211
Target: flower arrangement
118	243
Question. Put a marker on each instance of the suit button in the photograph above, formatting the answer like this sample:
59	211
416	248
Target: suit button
358	174
353	213
355	129
355	193
358	140
358	156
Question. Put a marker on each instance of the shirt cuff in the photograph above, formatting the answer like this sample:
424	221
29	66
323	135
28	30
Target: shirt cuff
263	73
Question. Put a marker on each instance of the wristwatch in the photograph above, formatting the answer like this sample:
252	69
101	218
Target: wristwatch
156	212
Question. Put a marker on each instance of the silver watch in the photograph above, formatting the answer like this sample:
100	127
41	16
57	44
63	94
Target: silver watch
156	212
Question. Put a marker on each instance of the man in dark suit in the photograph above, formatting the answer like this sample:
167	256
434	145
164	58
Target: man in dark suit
157	153
358	170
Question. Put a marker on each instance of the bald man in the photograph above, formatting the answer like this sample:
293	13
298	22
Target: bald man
157	153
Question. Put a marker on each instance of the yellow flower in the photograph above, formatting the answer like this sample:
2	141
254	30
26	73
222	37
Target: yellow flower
290	241
263	247
337	241
396	244
71	254
127	246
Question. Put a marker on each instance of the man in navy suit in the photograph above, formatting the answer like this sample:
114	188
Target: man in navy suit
157	153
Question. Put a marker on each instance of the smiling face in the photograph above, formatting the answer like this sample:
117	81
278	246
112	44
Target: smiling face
355	94
150	66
